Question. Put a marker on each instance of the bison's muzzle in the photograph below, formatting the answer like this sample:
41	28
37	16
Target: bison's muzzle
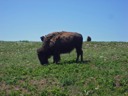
43	59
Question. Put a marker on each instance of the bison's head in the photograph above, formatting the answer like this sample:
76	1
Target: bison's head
43	58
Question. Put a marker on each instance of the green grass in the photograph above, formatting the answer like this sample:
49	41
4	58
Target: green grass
104	72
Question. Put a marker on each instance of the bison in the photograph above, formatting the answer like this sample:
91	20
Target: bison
58	43
88	39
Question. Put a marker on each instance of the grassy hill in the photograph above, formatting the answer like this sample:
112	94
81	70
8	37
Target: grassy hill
104	71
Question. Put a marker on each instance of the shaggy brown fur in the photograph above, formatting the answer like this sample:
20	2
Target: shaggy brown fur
62	42
48	36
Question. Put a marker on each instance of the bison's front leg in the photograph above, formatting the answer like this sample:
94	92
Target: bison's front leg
56	58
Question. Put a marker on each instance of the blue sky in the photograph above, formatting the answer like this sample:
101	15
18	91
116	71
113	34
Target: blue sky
103	20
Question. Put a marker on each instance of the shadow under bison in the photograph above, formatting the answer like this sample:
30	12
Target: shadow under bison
57	43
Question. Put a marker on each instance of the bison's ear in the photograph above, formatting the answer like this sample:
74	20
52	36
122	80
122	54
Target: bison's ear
42	38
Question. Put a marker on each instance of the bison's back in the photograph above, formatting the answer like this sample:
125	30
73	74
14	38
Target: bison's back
67	41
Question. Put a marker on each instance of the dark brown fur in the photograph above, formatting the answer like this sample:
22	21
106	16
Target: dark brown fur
62	42
49	36
88	39
42	38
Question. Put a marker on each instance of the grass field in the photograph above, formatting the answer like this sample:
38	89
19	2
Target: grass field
104	71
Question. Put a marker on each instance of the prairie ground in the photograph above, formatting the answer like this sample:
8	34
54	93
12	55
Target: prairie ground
104	71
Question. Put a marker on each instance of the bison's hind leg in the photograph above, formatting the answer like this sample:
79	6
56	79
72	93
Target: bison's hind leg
79	53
